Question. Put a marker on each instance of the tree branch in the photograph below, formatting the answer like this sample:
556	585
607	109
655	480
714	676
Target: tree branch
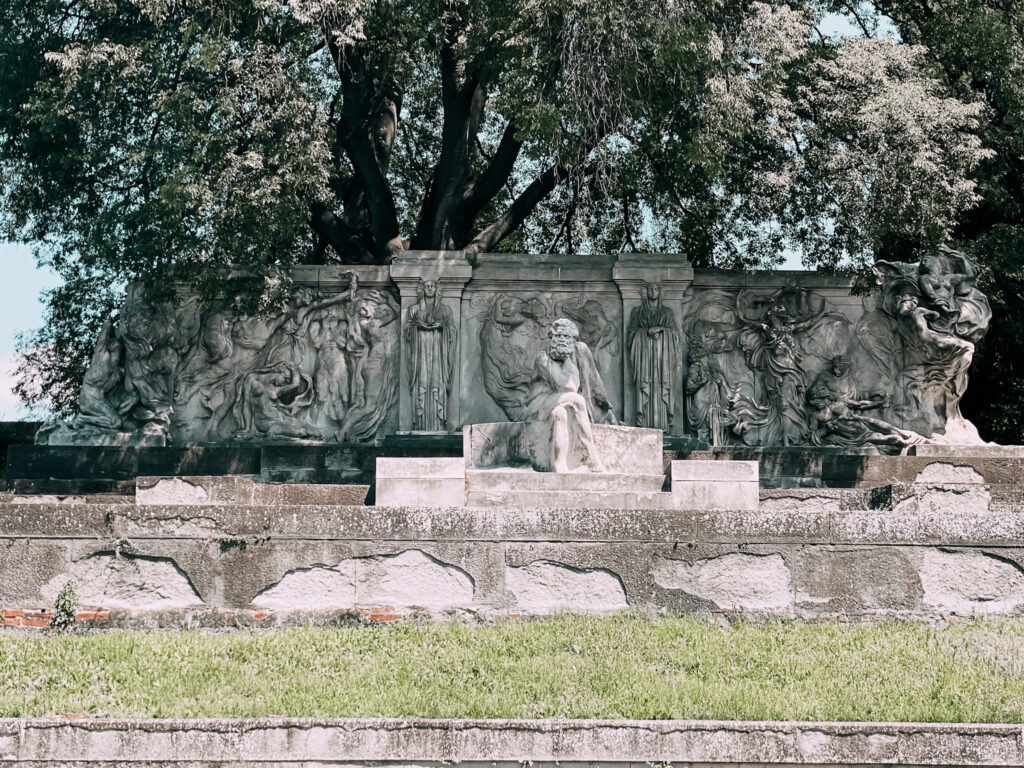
499	169
520	208
368	145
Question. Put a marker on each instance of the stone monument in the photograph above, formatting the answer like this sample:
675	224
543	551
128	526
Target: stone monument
431	344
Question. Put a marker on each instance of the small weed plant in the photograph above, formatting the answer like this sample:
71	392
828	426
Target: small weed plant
65	608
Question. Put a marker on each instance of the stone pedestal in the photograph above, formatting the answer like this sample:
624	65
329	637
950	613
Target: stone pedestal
421	482
710	485
624	450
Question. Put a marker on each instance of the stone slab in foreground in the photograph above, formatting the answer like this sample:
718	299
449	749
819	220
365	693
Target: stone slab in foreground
424	742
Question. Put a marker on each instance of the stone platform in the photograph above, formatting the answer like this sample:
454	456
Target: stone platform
266	565
497	743
507	464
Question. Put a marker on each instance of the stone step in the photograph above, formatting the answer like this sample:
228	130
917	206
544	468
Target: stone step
529	480
581	500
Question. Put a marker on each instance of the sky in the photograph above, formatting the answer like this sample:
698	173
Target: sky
21	309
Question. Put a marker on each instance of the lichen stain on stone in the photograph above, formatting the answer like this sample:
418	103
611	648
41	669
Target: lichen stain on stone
124	581
970	582
544	587
409	579
732	581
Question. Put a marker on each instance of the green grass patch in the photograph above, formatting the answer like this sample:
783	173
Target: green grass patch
621	667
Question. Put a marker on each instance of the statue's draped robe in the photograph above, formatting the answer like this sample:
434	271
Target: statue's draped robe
654	359
431	336
545	392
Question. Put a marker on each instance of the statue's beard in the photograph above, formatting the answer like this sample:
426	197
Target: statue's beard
561	350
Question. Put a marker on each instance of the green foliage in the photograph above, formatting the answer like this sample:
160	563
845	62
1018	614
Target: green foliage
176	141
620	667
65	608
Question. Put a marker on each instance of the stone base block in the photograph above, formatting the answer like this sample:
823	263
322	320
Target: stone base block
710	485
571	499
424	482
623	450
969	451
530	480
63	434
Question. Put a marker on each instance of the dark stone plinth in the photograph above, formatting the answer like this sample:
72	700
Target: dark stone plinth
339	463
16	433
82	469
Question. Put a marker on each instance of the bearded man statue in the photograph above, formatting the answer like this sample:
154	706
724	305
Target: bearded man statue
568	393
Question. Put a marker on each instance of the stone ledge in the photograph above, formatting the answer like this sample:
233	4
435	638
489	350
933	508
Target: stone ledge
417	741
816	525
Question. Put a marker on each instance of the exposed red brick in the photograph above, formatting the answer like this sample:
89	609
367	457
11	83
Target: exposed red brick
381	613
260	616
11	613
27	622
92	616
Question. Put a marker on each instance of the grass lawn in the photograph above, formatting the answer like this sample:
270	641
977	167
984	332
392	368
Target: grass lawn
619	667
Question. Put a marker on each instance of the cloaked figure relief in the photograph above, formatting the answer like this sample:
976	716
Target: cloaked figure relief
430	334
156	340
567	392
653	343
708	391
103	381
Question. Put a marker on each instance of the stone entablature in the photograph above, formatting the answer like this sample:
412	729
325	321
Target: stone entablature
432	343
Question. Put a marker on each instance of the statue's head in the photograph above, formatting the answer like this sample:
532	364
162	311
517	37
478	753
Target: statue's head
563	334
428	288
819	396
653	291
840	365
906	303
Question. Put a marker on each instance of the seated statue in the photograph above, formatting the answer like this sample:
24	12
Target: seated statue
567	391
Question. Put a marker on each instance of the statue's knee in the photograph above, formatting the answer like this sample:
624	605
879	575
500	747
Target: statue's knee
558	414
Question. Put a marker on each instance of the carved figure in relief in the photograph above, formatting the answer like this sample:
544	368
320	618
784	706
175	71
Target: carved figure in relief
770	347
567	392
505	365
653	344
267	394
375	335
597	329
331	371
708	392
430	334
836	420
103	379
923	335
155	340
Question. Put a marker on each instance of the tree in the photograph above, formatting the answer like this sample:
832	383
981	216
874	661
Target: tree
177	141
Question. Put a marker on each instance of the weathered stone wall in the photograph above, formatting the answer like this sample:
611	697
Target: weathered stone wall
268	565
416	743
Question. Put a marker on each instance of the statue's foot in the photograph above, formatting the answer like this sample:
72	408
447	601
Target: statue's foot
560	467
596	466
